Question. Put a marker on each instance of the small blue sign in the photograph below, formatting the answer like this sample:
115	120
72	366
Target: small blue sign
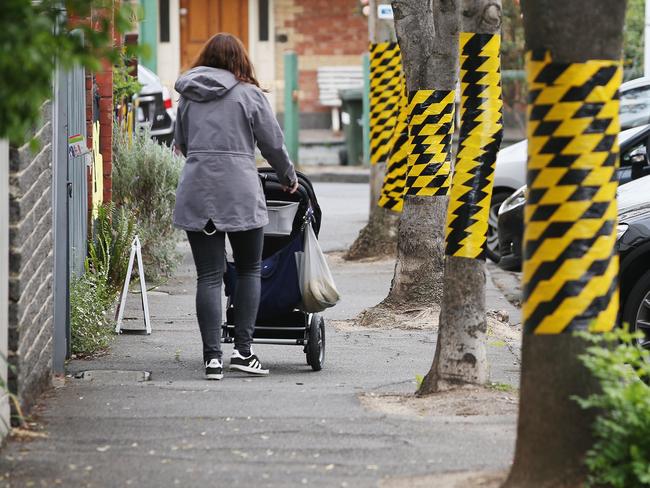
384	11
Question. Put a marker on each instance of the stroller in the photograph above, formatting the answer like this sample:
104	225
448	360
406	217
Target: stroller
279	320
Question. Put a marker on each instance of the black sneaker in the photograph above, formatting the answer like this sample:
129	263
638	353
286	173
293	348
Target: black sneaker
250	364
213	370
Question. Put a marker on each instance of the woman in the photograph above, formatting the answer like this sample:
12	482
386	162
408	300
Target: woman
222	114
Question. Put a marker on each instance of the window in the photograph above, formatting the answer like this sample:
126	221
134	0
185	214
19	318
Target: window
634	157
163	17
635	107
264	20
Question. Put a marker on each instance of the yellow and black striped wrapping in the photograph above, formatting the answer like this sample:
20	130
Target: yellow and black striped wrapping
385	86
392	191
481	129
431	126
570	263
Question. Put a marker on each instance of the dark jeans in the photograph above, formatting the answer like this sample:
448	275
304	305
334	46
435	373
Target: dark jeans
209	257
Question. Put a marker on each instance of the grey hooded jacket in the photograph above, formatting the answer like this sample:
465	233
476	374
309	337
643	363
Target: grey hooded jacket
218	123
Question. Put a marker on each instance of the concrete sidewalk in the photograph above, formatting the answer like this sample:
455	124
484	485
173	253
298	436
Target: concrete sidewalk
293	428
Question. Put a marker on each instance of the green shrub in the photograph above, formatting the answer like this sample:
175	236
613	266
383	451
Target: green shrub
124	85
620	454
145	176
108	252
36	39
90	323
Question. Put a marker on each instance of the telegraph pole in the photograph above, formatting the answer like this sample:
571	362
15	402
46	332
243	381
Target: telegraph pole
379	30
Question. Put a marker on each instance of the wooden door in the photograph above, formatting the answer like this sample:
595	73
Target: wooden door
201	19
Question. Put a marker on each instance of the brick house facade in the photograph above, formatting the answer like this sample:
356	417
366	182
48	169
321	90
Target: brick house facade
321	32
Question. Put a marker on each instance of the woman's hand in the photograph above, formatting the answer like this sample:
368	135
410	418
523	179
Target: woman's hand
291	189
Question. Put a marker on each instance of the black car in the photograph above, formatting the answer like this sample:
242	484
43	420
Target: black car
154	107
635	148
633	243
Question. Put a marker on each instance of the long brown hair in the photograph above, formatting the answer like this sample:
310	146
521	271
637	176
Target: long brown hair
227	52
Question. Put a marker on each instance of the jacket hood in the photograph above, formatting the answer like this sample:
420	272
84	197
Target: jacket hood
202	84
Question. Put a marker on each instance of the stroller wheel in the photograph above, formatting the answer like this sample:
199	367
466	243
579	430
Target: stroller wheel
316	344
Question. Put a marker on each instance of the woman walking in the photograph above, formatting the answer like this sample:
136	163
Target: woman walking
222	114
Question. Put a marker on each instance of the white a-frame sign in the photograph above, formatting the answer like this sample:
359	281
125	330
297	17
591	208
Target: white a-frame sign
136	251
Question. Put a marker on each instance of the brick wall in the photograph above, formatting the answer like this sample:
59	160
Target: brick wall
104	81
31	264
323	33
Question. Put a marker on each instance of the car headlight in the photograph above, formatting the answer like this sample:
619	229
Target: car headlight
516	199
620	230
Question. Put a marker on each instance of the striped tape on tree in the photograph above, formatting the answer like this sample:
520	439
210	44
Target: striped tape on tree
480	137
570	266
431	125
392	191
385	84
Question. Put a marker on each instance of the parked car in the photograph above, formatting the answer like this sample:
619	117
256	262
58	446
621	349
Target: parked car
633	243
154	106
510	171
634	164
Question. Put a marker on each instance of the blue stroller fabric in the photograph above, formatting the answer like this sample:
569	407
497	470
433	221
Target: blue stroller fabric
280	284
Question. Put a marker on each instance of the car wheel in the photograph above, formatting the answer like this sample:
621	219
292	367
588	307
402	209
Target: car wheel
492	249
636	311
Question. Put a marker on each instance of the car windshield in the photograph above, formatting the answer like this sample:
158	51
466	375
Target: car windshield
635	106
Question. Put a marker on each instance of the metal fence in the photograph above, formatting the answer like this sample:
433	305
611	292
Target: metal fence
77	172
70	200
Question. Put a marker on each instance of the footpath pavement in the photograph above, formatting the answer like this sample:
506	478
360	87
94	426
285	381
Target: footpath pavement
109	428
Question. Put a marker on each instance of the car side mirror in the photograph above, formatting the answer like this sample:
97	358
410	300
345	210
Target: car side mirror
639	155
638	161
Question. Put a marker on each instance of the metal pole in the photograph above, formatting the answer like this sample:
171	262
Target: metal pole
366	108
291	108
60	223
4	283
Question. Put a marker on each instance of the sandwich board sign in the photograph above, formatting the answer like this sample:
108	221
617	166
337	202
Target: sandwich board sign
136	252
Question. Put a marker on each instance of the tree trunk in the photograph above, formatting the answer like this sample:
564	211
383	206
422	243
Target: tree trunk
429	47
460	355
379	236
553	432
421	236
